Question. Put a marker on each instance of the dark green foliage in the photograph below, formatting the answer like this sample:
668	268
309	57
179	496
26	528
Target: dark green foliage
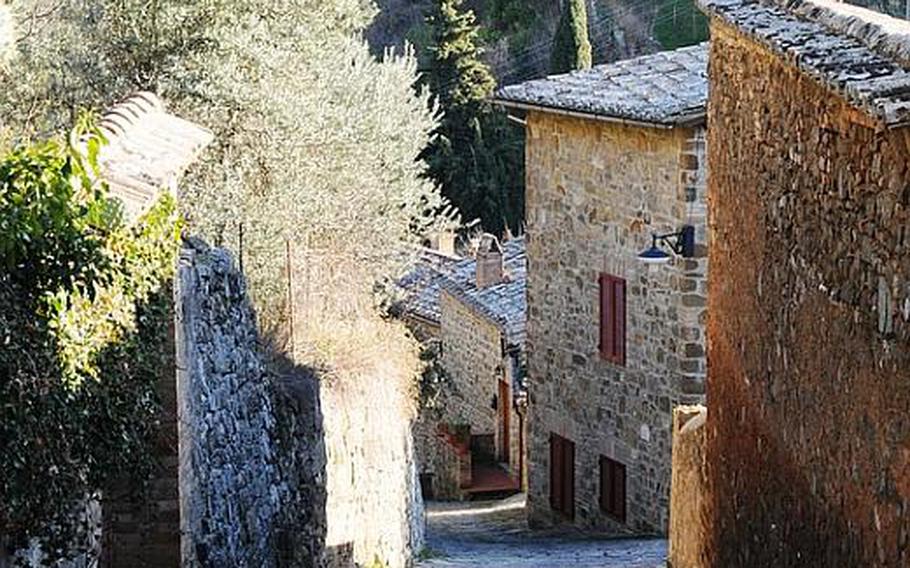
62	440
680	23
477	156
571	46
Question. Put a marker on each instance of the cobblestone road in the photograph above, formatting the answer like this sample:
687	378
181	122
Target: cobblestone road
495	535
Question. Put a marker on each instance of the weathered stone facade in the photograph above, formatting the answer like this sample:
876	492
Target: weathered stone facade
689	519
596	191
808	437
374	506
472	355
251	453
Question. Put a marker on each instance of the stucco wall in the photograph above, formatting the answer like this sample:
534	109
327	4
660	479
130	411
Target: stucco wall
595	193
808	438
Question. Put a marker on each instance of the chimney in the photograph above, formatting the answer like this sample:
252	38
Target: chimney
489	261
443	242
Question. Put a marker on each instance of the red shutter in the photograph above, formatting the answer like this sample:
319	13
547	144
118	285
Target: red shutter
555	473
619	307
613	319
569	491
619	491
606	311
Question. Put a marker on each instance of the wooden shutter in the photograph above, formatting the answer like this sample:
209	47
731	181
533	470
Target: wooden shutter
613	488
569	479
556	471
619	491
613	319
619	311
606	310
562	475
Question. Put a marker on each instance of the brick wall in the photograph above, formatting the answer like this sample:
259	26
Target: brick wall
808	437
595	193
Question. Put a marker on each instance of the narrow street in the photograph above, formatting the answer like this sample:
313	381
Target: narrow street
494	534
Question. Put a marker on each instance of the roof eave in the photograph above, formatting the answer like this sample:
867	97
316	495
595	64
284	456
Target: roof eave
688	120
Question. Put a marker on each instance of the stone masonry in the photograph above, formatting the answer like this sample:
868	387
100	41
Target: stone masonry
252	458
472	355
808	439
596	192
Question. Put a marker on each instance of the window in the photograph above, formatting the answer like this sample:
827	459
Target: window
613	488
562	475
613	319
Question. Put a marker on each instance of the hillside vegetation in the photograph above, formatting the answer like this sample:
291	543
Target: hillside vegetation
519	34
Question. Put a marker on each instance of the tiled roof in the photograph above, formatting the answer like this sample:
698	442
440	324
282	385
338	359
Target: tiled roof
147	150
667	88
420	287
855	52
504	304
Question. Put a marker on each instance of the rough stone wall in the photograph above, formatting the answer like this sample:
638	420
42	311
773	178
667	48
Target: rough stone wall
251	452
374	506
472	356
808	438
596	192
688	491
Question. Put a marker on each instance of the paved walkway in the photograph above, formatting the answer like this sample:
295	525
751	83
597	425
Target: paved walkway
494	534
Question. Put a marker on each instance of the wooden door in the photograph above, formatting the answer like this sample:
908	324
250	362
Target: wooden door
505	409
562	475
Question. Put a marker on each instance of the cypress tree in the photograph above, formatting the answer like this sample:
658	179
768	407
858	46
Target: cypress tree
571	47
476	157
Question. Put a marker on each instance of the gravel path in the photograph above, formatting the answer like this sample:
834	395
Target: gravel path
494	534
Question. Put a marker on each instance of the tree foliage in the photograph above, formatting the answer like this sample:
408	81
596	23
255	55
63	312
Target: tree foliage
571	46
477	157
76	284
316	140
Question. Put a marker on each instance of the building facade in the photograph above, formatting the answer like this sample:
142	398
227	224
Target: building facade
614	155
808	441
472	438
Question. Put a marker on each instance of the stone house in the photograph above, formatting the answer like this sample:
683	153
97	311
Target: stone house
473	441
807	437
615	155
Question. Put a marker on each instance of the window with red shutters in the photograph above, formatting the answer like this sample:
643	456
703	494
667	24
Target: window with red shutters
613	319
562	475
613	488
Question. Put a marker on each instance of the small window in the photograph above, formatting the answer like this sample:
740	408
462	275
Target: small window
562	475
613	488
613	319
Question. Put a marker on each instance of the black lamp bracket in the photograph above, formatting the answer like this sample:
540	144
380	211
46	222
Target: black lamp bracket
681	242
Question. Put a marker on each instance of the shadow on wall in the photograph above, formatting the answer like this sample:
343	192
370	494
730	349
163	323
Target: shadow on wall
251	438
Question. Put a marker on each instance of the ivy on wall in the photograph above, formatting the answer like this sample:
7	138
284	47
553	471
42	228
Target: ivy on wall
85	309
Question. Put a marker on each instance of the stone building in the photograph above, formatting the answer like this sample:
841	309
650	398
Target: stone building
808	441
473	439
614	155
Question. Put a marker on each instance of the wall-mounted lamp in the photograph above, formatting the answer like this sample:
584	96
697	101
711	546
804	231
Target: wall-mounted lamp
682	243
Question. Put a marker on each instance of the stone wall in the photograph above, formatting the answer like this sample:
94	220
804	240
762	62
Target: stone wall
688	491
596	192
374	506
808	438
472	356
251	454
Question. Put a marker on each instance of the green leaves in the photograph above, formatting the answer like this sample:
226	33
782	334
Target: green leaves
571	47
476	157
84	319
